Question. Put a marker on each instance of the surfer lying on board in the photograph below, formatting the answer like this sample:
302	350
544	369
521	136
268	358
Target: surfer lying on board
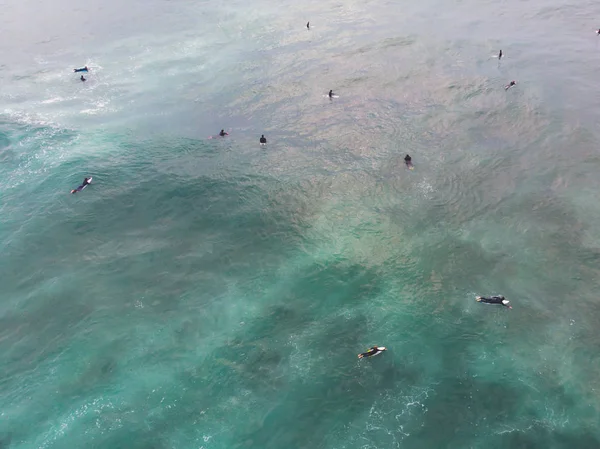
373	351
85	182
83	69
223	133
263	139
508	86
408	160
500	300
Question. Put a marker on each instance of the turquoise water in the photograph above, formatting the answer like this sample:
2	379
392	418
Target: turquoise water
214	294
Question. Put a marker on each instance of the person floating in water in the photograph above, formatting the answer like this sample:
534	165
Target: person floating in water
371	352
331	94
86	181
308	25
263	140
500	300
83	69
500	55
223	133
82	78
508	86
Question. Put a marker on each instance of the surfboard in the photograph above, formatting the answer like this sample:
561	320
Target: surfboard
263	144
380	349
334	96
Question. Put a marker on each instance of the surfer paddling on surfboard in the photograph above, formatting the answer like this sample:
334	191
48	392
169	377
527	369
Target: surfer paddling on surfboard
84	184
83	69
511	84
375	350
500	300
263	140
408	161
223	133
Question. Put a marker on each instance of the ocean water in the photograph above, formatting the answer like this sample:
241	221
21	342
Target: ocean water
213	294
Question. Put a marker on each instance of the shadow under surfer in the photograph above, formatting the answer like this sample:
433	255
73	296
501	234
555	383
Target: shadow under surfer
499	300
263	140
86	182
511	84
373	351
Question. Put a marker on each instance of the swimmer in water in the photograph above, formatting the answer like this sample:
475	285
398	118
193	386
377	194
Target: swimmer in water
308	25
500	300
263	139
508	86
500	55
85	182
82	78
331	94
371	352
223	133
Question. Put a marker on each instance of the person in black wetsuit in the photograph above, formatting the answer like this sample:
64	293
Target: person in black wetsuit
85	182
223	133
263	139
331	93
308	25
511	84
408	160
371	352
500	300
500	55
82	78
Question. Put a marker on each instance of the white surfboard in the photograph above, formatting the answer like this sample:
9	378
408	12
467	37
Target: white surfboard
334	96
380	349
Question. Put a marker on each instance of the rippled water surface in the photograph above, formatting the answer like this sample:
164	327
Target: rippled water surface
213	294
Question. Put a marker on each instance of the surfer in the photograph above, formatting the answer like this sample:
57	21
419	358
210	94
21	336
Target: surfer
500	300
85	182
331	93
500	55
408	160
598	32
308	25
223	133
84	69
371	352
263	140
508	86
82	78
